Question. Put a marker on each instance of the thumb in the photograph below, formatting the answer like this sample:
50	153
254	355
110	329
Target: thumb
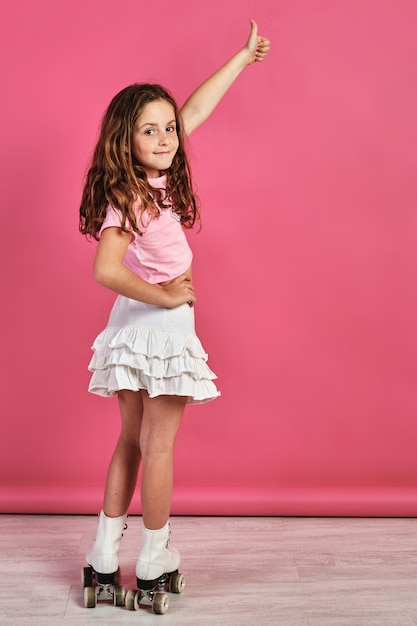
253	30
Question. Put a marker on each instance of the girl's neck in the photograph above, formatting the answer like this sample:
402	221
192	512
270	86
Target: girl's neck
160	175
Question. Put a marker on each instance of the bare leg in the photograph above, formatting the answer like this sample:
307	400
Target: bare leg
124	465
161	420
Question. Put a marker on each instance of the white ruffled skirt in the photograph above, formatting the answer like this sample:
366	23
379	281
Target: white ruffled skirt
152	348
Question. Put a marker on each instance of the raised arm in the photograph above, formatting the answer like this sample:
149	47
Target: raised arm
205	98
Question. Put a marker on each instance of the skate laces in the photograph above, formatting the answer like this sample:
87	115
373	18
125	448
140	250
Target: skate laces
125	526
169	536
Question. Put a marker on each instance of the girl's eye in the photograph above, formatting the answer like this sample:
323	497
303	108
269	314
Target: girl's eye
149	131
171	129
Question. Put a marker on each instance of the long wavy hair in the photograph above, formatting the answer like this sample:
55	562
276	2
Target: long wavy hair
115	177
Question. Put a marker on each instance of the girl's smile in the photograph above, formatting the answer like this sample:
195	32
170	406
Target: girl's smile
155	140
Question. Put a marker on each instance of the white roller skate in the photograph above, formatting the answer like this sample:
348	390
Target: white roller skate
156	572
101	579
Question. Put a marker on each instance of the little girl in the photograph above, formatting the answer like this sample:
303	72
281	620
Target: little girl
137	199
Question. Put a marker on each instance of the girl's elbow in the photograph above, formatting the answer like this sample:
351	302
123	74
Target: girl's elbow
101	275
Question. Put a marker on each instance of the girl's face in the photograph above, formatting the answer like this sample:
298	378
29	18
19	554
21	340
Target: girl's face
155	140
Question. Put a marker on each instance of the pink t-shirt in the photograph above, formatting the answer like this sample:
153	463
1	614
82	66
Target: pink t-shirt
162	252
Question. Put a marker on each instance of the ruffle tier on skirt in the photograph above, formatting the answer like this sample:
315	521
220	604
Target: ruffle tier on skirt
151	348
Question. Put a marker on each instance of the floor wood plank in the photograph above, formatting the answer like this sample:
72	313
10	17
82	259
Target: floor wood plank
240	571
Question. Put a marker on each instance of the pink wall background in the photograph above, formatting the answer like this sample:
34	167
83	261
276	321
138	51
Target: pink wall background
305	267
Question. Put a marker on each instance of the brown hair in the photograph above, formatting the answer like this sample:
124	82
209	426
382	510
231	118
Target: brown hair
115	177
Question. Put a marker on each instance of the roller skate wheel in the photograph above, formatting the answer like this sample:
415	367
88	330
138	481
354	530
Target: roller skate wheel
130	598
87	576
177	583
119	595
117	577
90	598
136	600
160	603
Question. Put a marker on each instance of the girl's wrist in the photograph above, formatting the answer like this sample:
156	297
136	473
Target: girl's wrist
161	296
244	56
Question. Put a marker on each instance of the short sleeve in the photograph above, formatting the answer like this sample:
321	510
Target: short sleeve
113	218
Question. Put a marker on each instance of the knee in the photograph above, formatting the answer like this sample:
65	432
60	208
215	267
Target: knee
152	446
130	442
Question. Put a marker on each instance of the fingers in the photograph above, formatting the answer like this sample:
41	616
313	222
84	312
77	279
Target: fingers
190	295
181	290
262	48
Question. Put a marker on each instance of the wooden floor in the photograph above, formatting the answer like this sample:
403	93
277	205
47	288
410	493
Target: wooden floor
242	571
